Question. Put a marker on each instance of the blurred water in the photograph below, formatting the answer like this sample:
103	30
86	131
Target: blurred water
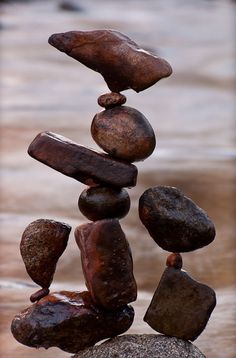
192	113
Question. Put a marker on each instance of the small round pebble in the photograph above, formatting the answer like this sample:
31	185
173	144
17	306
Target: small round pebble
174	260
124	133
97	203
112	99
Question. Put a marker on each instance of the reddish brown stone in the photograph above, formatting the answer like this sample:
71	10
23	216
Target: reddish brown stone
80	163
174	221
113	99
107	263
69	321
181	306
124	133
121	62
97	203
42	243
39	294
174	260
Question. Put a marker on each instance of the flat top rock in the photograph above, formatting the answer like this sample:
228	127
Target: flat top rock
143	346
121	62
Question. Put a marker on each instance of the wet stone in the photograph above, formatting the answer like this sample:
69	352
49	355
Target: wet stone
174	221
121	62
181	306
69	321
97	203
124	133
113	99
42	243
107	263
81	163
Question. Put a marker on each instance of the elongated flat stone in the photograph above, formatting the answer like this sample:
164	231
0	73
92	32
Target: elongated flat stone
174	221
43	242
107	263
121	62
124	133
69	321
81	163
181	306
97	203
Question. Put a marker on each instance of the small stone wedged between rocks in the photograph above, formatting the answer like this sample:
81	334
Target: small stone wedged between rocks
142	346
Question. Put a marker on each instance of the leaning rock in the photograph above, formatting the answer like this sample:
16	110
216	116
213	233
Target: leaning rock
124	133
181	306
121	62
142	346
42	243
69	321
97	203
174	221
81	163
107	263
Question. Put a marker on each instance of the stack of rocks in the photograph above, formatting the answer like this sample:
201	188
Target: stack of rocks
73	321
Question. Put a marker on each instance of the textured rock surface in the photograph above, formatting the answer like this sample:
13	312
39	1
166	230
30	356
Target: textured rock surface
80	163
107	263
124	133
42	243
142	346
109	100
97	203
174	221
70	321
119	59
181	306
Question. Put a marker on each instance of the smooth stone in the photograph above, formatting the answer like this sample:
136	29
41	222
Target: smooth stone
142	346
124	133
81	163
43	242
174	260
39	294
113	99
69	321
121	62
97	203
181	306
107	263
174	221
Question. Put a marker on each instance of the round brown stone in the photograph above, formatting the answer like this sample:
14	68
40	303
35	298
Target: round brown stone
124	133
97	203
174	260
112	99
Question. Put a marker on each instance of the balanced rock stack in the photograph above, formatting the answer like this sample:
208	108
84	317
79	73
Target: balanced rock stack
73	321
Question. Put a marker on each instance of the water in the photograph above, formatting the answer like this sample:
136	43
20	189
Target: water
192	113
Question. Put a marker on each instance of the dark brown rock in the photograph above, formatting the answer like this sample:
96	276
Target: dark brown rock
107	263
174	221
124	133
97	203
113	99
39	294
181	306
121	62
69	321
80	163
42	243
174	260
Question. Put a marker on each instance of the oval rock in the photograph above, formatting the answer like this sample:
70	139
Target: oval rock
69	321
124	133
174	221
97	203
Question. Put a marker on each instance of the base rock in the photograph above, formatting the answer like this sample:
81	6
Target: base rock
142	346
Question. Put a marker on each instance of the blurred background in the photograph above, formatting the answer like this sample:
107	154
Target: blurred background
192	113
